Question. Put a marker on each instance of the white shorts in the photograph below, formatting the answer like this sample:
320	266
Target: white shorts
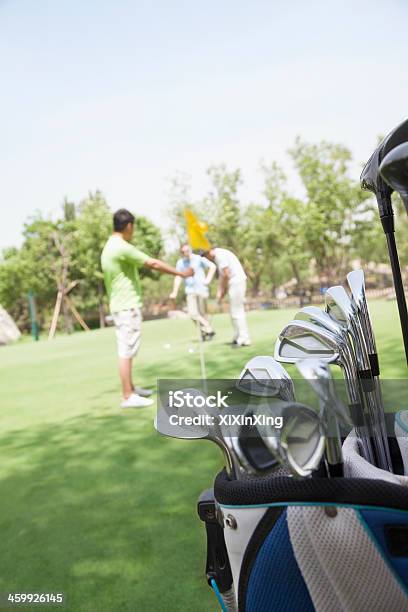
128	325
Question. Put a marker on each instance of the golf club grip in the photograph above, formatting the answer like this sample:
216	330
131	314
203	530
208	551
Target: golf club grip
374	364
366	380
399	289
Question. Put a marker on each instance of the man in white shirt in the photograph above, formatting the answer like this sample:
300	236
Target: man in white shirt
232	280
196	287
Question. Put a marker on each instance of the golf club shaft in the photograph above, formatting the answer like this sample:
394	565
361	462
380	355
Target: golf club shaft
369	387
399	288
334	453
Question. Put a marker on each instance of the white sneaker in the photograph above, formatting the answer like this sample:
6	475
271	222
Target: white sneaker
136	401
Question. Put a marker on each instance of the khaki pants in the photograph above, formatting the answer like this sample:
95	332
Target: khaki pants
128	325
196	310
236	294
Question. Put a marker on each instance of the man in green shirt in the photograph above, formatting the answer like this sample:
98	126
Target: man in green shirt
120	262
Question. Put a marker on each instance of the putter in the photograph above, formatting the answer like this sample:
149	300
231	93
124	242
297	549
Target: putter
318	375
372	180
394	171
340	308
304	340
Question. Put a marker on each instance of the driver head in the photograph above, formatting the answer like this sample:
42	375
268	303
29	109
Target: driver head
371	178
394	171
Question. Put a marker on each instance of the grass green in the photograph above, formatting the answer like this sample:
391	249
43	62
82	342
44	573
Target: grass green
93	502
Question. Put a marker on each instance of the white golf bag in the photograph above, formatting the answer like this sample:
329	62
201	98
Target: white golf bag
333	545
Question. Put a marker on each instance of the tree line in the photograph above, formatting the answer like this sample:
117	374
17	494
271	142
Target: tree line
311	239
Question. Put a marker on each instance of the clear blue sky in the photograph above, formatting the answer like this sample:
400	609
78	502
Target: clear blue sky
119	95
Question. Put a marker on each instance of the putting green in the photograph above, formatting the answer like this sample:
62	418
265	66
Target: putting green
93	502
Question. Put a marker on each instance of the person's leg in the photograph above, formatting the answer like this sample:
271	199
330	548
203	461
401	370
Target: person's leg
128	330
194	312
237	308
125	373
202	310
234	310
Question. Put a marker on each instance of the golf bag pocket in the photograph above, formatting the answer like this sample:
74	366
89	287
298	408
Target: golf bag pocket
320	544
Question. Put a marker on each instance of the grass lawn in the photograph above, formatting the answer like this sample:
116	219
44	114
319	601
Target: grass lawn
93	502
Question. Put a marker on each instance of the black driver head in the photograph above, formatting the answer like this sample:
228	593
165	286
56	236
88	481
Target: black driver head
371	178
394	171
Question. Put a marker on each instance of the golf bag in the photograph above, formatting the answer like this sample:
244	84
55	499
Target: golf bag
280	544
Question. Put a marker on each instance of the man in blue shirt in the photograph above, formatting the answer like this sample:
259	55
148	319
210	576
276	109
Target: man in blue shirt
196	287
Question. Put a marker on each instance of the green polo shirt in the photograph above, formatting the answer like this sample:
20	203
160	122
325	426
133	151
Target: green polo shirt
120	262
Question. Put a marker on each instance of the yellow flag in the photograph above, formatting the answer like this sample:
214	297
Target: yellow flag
196	231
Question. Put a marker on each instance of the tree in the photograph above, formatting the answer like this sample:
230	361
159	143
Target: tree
222	207
333	201
93	228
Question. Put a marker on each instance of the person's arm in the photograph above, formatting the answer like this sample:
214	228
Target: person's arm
176	287
211	271
223	284
165	268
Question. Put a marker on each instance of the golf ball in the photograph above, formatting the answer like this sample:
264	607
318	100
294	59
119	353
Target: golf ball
167	345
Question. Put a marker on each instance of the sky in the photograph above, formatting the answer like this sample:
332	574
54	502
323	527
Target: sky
121	95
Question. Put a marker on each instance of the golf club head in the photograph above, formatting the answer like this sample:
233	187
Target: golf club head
302	340
164	427
263	376
202	431
300	443
255	458
371	178
318	317
356	282
394	171
318	375
338	305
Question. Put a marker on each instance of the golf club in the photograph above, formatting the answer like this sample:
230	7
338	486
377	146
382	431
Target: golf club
265	377
204	431
372	180
394	171
318	375
320	317
299	444
304	340
356	282
340	308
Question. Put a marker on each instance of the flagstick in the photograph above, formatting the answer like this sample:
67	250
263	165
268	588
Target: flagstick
202	359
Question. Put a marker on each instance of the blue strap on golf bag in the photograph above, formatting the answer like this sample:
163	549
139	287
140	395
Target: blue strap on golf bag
315	544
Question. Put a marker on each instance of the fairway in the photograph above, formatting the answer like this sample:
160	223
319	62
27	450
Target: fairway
93	502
